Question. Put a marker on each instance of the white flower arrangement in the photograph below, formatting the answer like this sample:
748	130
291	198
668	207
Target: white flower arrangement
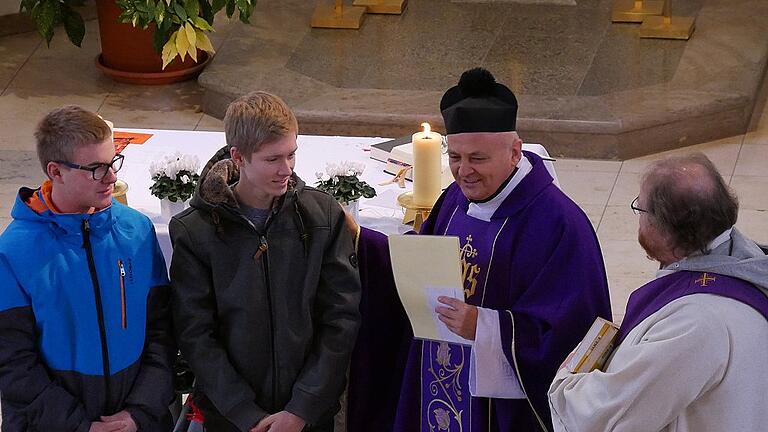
343	183
175	177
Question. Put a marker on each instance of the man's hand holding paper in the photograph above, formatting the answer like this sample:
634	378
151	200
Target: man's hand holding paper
459	317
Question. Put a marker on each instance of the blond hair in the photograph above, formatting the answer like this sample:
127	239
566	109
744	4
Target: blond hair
65	129
255	119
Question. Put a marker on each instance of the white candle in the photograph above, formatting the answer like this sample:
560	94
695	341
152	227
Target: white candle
426	166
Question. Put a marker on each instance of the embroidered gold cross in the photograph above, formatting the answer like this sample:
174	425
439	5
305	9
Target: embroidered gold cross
704	279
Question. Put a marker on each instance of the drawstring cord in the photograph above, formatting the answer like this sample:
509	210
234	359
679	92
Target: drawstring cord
302	228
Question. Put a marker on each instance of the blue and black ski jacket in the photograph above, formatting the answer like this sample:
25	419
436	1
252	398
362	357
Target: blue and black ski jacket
84	323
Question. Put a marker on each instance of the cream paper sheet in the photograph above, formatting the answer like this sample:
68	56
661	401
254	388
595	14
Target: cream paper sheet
426	267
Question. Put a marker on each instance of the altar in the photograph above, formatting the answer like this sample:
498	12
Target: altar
381	213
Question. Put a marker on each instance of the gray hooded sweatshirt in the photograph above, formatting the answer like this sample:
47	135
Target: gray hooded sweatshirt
736	256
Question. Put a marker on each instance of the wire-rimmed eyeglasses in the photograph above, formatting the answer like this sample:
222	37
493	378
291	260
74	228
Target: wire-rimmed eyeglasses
635	209
98	170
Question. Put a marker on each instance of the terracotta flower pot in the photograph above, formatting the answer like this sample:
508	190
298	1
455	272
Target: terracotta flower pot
127	54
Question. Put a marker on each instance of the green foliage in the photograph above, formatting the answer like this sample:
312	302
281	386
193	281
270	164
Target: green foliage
47	14
174	189
346	188
168	15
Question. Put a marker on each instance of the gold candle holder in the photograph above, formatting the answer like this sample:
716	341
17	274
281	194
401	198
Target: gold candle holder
389	7
337	16
120	192
667	26
413	212
634	11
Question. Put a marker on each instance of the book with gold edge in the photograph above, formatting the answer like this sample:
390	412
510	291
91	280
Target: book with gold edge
597	345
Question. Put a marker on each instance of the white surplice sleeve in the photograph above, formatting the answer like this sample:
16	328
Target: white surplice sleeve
665	363
490	374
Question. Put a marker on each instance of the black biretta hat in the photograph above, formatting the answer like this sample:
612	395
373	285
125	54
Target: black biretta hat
479	104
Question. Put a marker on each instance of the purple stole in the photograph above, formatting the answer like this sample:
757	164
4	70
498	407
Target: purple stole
654	295
445	400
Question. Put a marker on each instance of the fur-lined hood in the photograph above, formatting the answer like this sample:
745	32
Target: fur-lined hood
214	190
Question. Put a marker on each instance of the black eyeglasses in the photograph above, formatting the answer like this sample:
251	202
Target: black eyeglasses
98	170
637	210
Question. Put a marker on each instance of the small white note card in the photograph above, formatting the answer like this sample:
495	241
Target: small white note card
425	268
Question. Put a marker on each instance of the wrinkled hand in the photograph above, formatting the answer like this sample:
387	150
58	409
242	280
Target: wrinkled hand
107	427
280	422
459	317
122	418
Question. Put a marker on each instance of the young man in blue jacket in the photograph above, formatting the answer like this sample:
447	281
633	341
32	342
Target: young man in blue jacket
85	342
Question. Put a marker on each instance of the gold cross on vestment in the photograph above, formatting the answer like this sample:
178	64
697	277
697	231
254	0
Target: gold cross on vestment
704	279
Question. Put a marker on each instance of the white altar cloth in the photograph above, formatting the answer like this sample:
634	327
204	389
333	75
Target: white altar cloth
381	213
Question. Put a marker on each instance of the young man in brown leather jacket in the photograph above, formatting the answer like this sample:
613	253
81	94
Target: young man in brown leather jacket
265	282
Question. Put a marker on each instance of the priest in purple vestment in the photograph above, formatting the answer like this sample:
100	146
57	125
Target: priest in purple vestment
692	350
534	281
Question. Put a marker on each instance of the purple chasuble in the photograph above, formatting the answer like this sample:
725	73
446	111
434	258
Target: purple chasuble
537	262
651	297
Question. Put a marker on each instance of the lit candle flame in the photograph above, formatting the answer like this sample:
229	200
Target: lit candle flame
427	129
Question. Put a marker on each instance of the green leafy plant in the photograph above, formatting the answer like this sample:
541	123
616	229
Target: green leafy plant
175	177
342	182
181	26
47	14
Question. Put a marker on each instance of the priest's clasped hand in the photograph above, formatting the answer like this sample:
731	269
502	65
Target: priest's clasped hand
459	317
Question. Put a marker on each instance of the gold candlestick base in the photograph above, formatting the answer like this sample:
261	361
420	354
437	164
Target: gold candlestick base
119	193
330	16
661	27
413	213
389	7
633	11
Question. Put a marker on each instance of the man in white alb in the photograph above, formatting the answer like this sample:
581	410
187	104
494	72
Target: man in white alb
692	349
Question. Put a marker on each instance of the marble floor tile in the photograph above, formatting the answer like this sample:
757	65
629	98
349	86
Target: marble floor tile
645	62
4	221
19	168
208	123
618	223
723	154
757	137
620	289
594	213
21	113
763	123
429	29
587	165
587	187
626	189
547	53
8	193
753	161
173	106
625	258
71	68
14	51
754	223
752	192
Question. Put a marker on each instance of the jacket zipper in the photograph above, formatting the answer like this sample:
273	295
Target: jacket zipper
99	311
123	306
260	253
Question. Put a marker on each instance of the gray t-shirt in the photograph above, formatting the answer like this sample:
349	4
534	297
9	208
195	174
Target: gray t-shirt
257	216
